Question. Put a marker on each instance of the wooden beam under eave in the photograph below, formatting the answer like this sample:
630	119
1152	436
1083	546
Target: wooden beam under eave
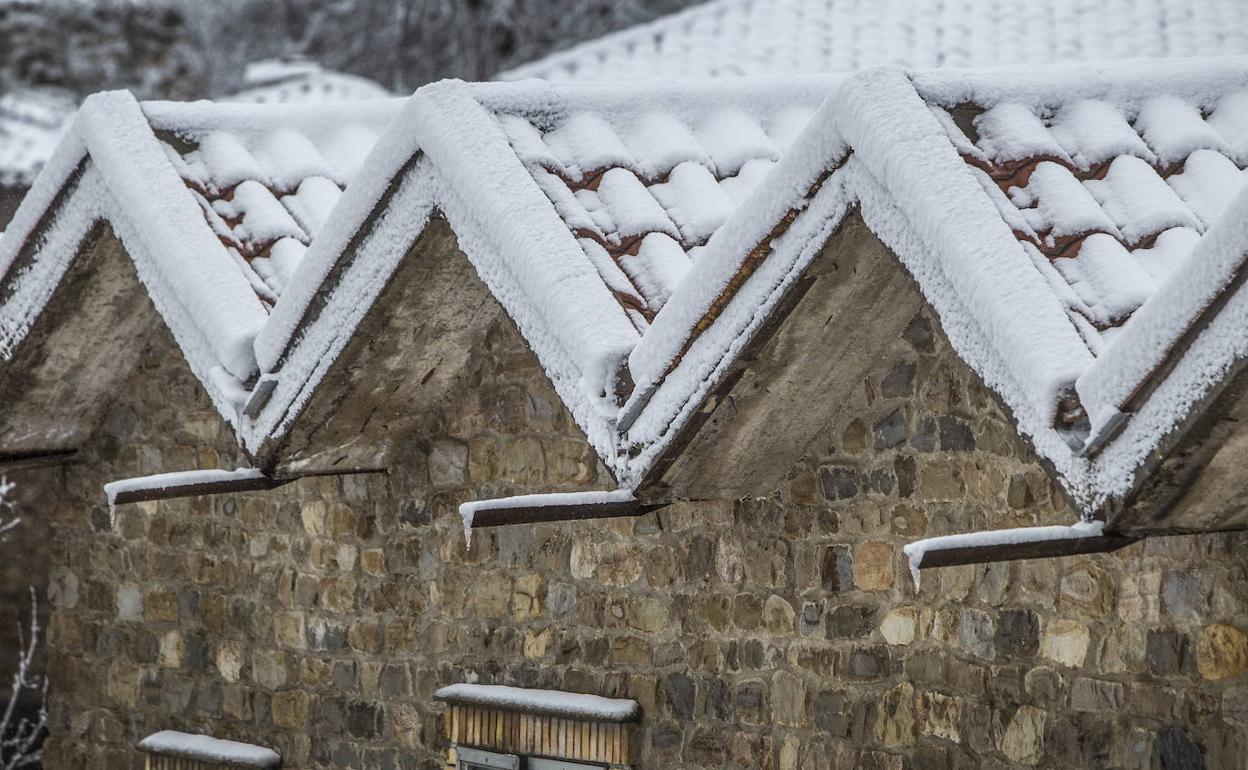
196	490
1041	549
28	460
1195	481
504	516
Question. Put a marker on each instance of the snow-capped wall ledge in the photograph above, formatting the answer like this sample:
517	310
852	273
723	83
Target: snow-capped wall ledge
1011	544
204	748
565	506
565	705
165	486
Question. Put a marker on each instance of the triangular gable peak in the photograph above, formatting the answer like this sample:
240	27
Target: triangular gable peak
733	38
136	180
621	230
1043	215
582	208
267	178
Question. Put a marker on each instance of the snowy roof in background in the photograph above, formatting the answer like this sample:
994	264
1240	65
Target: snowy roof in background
729	38
31	123
267	177
301	81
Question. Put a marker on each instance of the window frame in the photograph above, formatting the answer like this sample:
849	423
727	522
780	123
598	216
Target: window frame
469	758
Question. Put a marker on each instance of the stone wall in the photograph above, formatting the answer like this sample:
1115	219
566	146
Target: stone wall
776	633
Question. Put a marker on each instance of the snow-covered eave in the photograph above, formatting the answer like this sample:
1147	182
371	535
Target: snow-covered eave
167	486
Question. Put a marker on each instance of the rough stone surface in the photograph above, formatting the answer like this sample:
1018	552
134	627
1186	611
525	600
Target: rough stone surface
766	633
1065	642
1221	652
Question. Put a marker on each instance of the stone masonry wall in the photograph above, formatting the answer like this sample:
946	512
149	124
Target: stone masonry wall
776	633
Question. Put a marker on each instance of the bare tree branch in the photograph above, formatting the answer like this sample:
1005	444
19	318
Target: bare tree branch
21	736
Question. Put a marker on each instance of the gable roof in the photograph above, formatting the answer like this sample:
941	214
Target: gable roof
1041	213
733	38
171	181
581	207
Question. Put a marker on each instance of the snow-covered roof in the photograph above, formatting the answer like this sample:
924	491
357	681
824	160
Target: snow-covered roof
267	178
640	234
730	38
301	81
196	193
32	120
31	123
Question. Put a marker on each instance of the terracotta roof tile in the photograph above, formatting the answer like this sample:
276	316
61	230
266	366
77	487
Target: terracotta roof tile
637	190
1113	194
266	194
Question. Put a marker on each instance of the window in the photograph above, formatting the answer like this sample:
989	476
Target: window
477	759
493	727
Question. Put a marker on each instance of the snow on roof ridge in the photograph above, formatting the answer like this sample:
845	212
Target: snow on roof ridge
170	227
257	118
548	702
540	258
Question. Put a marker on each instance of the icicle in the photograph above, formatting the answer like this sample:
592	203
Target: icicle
467	512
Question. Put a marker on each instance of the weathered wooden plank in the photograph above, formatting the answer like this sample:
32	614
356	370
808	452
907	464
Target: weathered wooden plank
504	516
203	488
37	459
1040	549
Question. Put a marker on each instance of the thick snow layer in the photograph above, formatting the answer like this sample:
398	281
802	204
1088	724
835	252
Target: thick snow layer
170	229
548	702
204	748
915	551
729	38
